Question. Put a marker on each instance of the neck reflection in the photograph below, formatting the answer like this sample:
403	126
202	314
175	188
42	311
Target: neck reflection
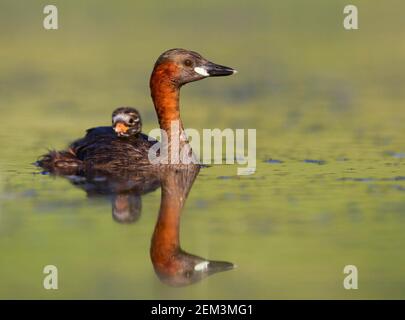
173	265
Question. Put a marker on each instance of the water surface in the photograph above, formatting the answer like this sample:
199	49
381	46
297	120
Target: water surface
327	104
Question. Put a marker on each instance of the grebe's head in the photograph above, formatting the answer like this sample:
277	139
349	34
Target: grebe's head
126	121
183	66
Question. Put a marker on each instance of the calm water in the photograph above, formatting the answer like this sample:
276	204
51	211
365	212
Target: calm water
328	107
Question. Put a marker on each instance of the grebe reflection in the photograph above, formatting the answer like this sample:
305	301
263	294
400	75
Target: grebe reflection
172	265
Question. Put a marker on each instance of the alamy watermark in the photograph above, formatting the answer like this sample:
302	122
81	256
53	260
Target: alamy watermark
51	279
351	281
350	22
186	146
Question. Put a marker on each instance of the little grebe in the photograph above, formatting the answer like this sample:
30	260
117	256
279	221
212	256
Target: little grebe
173	69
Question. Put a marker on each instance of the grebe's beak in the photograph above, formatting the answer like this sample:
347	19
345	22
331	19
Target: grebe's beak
219	266
211	267
121	128
211	69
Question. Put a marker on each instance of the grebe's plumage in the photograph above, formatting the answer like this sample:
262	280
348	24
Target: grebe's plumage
97	147
105	151
107	147
103	148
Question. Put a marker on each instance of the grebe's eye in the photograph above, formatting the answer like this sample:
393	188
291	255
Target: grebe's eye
131	121
188	63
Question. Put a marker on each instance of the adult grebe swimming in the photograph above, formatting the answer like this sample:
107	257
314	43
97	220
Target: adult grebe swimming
173	69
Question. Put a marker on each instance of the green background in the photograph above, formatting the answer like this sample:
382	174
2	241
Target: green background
313	91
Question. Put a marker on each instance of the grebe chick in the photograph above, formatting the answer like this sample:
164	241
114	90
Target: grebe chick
126	121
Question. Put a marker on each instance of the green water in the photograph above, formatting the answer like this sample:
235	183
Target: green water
311	89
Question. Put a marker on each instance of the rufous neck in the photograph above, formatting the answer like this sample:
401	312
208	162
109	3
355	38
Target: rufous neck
165	94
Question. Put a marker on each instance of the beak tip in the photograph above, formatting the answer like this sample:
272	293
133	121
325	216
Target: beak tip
235	71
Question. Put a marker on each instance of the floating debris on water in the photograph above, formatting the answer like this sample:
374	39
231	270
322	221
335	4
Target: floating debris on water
398	155
273	161
397	178
357	179
320	162
224	177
